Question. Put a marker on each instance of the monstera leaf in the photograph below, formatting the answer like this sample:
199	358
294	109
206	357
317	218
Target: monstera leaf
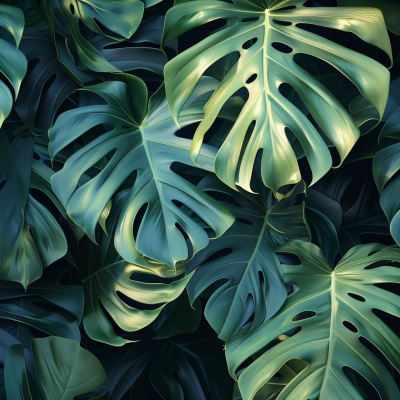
148	146
13	63
64	370
31	238
110	288
386	164
45	305
267	36
35	102
246	278
322	324
117	20
134	53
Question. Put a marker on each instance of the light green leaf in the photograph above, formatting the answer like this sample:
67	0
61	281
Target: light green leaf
247	279
321	324
147	147
65	369
252	29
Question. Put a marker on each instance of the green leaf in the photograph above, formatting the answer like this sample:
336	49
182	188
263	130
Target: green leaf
31	238
348	197
13	63
19	384
117	20
321	324
105	276
50	307
390	10
246	278
65	369
46	86
386	164
252	30
147	147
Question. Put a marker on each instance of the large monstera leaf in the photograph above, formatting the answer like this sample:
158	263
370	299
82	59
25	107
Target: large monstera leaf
109	285
267	36
117	20
247	273
148	146
325	323
13	63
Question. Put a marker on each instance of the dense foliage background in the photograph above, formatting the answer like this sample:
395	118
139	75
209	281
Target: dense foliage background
199	200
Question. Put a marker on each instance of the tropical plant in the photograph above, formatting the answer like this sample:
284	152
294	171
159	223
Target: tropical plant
171	226
330	323
267	36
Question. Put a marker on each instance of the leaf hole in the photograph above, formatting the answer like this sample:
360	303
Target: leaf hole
218	254
291	288
249	43
349	40
357	297
251	79
182	231
282	47
378	353
177	203
288	258
304	315
363	386
72	9
244	221
390	320
389	286
138	219
283	23
286	8
137	304
250	19
350	326
3	183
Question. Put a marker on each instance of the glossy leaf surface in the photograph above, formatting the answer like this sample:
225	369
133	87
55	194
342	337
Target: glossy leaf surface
267	36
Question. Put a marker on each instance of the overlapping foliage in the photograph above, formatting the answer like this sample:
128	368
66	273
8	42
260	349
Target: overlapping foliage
199	200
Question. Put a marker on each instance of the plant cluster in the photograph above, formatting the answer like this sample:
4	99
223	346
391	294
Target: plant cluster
199	200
